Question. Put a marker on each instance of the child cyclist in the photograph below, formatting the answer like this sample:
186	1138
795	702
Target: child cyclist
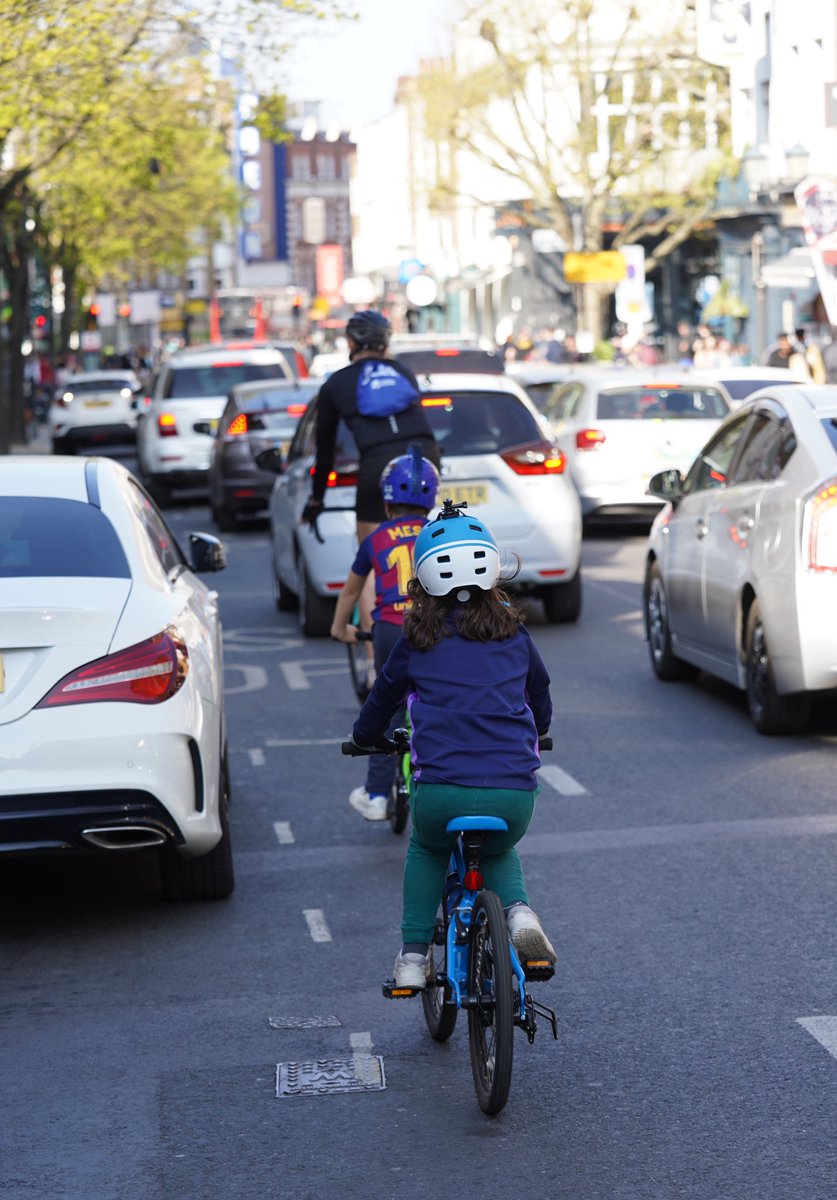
409	485
478	697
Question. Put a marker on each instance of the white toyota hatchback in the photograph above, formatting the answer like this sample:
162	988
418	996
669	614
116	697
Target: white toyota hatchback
497	454
112	730
179	422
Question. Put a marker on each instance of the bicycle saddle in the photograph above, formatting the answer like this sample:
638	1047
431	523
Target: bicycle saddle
475	824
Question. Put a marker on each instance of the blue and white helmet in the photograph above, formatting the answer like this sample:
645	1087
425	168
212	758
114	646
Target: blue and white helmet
456	551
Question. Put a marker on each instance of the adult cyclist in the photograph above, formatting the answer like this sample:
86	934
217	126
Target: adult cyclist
379	400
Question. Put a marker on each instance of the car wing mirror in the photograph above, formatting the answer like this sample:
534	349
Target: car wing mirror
207	553
666	485
271	459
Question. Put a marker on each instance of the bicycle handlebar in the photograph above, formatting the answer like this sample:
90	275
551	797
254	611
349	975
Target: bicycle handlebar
399	743
363	635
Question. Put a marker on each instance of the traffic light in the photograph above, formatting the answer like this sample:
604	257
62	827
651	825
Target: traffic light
296	307
124	311
91	316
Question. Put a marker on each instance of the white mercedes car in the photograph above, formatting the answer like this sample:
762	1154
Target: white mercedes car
112	730
93	409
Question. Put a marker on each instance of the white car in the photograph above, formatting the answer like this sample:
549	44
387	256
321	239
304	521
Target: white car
618	427
94	408
180	418
497	454
112	729
741	567
741	382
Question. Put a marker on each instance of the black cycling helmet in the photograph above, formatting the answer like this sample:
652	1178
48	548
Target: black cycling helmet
369	330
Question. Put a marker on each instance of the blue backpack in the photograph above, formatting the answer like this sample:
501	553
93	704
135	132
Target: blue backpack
383	391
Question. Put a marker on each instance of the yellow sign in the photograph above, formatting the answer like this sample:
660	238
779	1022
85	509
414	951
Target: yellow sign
319	309
608	266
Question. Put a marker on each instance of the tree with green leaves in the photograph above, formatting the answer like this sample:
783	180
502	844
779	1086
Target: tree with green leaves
597	112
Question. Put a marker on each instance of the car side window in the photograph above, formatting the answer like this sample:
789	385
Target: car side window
159	535
711	468
564	402
305	439
768	445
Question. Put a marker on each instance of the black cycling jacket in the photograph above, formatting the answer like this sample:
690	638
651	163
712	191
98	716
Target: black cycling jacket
337	401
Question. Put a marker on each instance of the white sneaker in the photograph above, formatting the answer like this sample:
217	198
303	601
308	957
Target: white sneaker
412	970
373	808
528	938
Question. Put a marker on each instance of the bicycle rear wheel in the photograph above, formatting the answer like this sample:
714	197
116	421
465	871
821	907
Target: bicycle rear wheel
399	801
439	1015
491	1020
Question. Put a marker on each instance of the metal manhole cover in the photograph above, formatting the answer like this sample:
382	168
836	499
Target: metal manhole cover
326	1076
304	1022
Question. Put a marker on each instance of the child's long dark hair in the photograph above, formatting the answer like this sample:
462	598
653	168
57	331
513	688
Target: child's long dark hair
485	617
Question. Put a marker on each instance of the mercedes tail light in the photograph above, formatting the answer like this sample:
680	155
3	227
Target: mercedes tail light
238	425
540	458
296	410
147	673
821	524
167	424
589	439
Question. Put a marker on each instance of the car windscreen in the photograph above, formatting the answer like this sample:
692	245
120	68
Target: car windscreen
479	422
79	387
44	536
653	401
740	389
217	379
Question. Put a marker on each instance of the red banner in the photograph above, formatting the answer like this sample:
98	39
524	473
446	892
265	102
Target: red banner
330	274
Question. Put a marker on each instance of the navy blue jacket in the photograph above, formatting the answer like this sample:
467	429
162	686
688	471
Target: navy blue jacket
476	709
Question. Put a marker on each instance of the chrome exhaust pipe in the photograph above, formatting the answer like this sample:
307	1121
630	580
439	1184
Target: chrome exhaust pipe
123	837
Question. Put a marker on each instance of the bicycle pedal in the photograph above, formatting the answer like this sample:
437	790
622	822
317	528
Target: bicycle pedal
536	970
399	993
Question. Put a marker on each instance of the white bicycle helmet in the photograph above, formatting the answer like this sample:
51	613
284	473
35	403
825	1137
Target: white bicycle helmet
456	551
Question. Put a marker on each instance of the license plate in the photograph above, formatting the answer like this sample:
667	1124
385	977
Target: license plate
97	404
470	493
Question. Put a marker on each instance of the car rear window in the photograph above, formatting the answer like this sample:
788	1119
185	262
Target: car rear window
479	422
276	400
193	383
656	400
44	536
426	361
740	389
79	386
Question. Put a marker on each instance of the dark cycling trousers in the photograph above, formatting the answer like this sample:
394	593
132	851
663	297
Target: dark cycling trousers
382	767
432	805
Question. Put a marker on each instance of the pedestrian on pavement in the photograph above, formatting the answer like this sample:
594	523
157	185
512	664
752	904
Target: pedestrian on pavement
781	356
811	357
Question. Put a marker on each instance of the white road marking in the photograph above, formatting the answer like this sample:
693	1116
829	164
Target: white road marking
285	742
255	678
635	615
282	829
298	674
366	1066
561	781
824	1029
256	757
317	926
245	640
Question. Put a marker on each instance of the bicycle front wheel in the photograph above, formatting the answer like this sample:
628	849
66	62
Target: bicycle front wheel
359	669
491	1017
439	1014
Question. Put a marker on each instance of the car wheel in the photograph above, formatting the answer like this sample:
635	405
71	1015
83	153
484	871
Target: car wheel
315	612
226	521
770	712
210	877
667	666
562	601
286	600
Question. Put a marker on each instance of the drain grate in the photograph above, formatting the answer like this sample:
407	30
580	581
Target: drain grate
327	1076
304	1022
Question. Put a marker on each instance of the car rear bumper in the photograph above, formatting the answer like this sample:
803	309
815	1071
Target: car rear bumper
85	434
85	821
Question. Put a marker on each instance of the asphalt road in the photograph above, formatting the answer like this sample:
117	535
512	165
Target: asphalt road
682	864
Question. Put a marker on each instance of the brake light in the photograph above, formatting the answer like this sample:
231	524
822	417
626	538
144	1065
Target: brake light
297	410
821	516
167	424
346	478
473	881
446	353
239	424
589	439
236	363
148	673
541	458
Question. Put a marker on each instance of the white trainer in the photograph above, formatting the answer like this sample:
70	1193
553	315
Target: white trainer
412	970
528	938
373	808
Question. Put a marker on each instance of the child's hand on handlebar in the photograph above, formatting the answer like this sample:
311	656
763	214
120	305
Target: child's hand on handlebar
344	633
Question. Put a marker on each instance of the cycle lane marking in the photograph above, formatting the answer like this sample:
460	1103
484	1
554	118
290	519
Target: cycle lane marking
299	673
561	781
254	678
824	1029
282	829
317	924
256	757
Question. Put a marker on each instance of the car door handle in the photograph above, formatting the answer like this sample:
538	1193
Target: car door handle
701	528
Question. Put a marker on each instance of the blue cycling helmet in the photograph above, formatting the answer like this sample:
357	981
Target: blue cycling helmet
369	330
410	479
456	551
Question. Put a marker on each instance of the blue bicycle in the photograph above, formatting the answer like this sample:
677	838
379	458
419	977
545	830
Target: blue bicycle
475	965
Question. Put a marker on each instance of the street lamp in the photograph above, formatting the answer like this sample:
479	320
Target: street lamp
755	167
797	162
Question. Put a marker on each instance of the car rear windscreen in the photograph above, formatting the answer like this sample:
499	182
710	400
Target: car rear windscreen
465	361
276	400
193	383
740	389
479	422
79	387
44	536
656	401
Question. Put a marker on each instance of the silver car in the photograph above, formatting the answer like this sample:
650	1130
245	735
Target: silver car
496	454
741	570
619	426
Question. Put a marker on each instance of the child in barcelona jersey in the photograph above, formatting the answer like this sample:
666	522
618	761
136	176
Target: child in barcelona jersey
478	698
409	484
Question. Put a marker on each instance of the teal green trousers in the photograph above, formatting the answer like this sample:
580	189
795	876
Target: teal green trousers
432	805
